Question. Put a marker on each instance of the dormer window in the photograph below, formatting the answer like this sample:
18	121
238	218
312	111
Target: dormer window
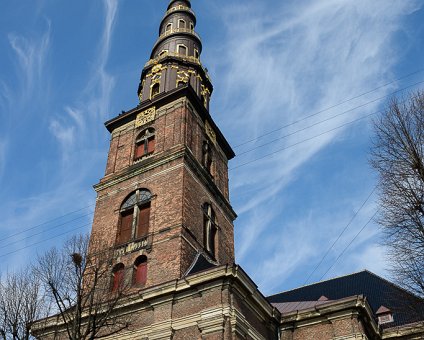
144	144
134	216
384	315
181	23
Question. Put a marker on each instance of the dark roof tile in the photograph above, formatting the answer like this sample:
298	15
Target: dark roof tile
406	307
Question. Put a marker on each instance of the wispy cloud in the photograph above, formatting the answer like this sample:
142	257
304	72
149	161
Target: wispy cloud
31	57
287	62
67	165
82	117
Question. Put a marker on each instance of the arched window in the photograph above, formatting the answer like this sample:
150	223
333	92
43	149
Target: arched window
210	228
196	53
163	53
118	277
207	156
155	88
181	23
191	26
144	144
140	271
135	216
168	27
182	49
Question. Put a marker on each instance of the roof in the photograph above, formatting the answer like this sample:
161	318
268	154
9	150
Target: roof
199	264
406	307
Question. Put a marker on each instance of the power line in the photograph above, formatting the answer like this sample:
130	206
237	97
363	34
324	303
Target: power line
340	235
325	120
350	243
45	230
308	139
328	108
46	222
303	141
44	240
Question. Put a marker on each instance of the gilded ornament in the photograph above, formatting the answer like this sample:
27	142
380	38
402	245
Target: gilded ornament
145	117
157	68
183	76
210	132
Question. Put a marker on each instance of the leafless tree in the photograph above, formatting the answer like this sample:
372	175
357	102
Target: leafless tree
398	156
78	283
21	303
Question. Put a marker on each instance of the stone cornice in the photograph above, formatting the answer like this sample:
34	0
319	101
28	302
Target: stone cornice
413	331
227	277
337	309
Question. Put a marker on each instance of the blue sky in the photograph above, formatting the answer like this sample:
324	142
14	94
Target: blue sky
295	66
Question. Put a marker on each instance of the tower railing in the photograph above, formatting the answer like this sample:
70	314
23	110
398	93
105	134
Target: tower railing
183	57
178	8
177	30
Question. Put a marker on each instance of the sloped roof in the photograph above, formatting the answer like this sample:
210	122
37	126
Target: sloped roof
199	264
406	308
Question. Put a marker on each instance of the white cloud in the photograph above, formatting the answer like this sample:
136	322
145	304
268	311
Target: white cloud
287	62
82	117
31	56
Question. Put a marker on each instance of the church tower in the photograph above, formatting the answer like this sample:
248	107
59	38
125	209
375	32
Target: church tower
164	202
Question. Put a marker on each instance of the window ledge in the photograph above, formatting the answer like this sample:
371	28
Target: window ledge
146	156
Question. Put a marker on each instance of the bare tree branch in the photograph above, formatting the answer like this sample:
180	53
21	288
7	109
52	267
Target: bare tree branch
78	282
398	156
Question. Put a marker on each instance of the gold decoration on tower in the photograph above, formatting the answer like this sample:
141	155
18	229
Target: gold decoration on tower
145	117
183	76
210	132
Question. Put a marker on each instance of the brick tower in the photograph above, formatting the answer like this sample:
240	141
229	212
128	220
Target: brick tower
164	198
163	208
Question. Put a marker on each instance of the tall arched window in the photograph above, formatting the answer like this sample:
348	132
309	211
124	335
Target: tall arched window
140	271
210	228
181	23
144	144
168	27
118	277
207	156
135	216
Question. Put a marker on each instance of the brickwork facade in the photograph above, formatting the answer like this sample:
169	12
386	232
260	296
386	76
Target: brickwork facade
164	201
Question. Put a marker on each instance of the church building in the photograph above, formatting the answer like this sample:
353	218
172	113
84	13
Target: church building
163	207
